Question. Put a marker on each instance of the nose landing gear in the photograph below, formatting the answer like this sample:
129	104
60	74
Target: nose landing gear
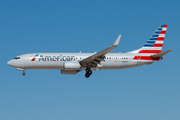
20	69
23	73
88	72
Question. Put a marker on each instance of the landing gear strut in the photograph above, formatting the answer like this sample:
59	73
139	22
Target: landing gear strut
88	72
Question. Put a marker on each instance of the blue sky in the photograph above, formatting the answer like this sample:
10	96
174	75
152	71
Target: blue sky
146	92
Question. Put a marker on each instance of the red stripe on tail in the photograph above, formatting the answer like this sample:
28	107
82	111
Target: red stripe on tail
163	32
149	51
157	45
160	38
165	26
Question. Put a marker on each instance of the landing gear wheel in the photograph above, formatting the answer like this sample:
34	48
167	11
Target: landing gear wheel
87	75
23	73
88	72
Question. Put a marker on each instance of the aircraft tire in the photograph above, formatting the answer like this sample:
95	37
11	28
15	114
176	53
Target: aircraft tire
89	72
87	75
23	73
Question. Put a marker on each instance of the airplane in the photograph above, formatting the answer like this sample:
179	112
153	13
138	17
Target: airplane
72	63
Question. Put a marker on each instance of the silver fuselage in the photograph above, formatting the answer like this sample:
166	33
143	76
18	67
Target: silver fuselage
57	60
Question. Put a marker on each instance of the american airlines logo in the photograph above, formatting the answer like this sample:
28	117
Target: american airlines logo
35	57
57	58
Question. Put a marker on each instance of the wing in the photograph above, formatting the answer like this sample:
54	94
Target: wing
95	59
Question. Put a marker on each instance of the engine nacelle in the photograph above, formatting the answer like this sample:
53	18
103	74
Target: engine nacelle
70	72
71	66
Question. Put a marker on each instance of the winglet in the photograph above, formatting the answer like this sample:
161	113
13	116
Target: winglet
160	54
117	41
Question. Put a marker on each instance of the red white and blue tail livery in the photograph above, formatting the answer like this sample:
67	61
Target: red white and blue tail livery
153	45
72	63
155	42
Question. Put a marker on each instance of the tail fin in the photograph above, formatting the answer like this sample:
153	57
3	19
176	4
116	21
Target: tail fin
155	42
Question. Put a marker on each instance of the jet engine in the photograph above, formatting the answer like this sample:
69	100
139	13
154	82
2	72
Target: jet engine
71	66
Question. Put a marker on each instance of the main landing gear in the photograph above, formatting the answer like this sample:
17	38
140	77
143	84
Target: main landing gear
88	72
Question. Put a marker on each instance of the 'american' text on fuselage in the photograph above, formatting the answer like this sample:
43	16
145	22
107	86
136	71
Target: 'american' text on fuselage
56	58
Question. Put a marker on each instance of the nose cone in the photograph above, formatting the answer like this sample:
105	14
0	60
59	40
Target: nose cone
10	63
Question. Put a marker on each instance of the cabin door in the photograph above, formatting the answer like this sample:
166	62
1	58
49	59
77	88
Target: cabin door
139	59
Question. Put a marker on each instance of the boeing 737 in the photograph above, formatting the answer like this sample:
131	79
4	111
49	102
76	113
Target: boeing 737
72	63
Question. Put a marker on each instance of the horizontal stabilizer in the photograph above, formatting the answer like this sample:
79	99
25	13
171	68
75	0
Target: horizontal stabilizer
160	54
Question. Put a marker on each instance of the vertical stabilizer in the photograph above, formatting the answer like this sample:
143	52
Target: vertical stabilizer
155	42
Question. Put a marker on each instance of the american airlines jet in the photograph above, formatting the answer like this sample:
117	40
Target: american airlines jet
72	63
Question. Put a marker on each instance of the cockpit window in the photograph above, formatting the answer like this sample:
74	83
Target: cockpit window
17	58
